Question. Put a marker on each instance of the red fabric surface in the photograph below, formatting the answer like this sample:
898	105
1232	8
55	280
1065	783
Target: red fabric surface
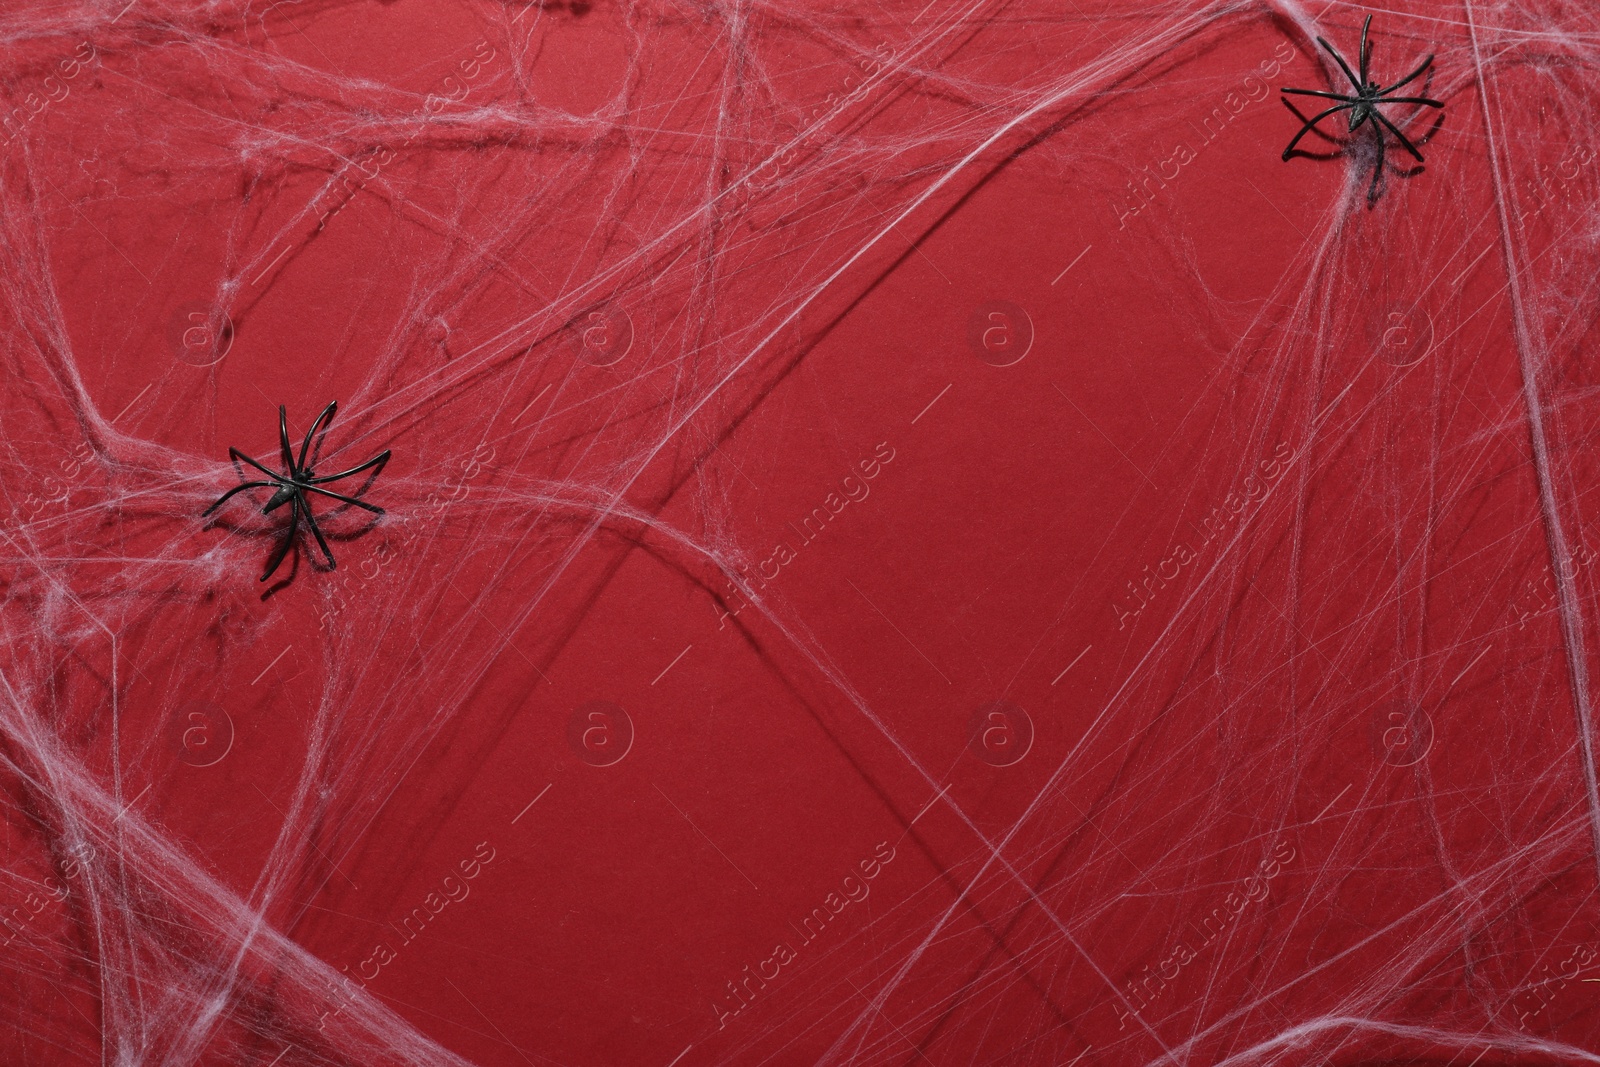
913	536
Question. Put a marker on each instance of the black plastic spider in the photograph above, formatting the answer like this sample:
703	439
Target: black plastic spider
1364	105
299	479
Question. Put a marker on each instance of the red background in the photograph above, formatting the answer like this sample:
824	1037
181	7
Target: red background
632	291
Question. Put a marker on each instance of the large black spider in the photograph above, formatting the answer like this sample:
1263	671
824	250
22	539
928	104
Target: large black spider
1364	105
298	480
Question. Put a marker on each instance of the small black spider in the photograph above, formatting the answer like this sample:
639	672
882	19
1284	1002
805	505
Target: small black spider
299	479
1364	105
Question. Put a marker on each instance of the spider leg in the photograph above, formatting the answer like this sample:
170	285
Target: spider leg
1411	100
283	439
311	521
1409	147
376	461
1321	92
375	509
287	543
324	420
1427	62
1348	73
1366	49
236	489
270	473
1311	122
1377	168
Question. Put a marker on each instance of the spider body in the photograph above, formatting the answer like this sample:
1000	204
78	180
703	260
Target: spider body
298	480
1364	106
1361	113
